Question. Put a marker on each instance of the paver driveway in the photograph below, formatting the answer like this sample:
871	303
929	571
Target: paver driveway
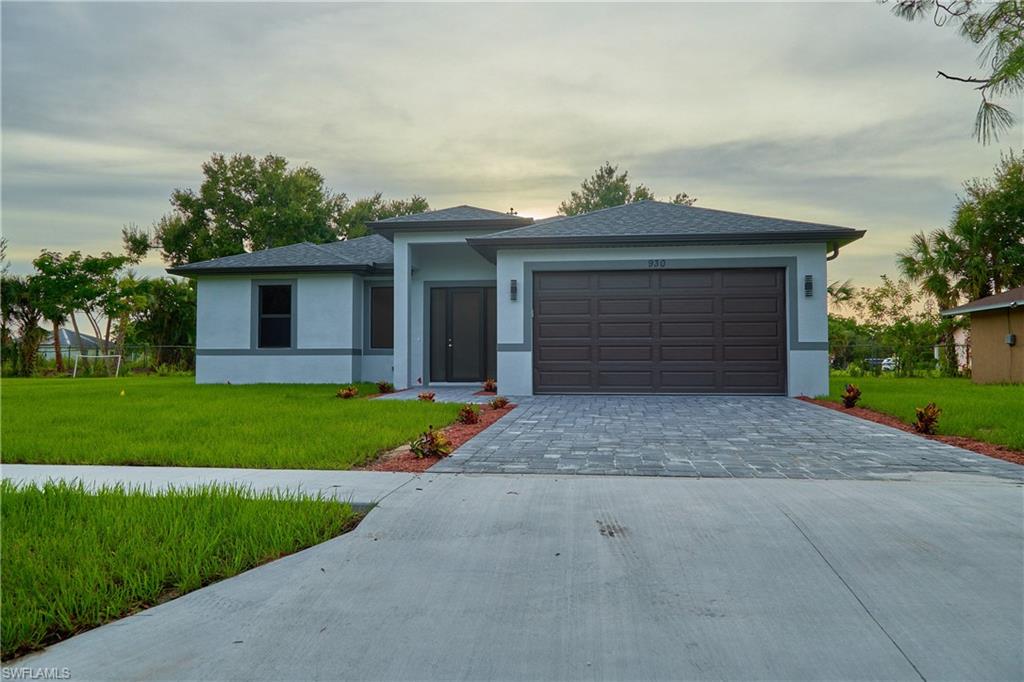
705	436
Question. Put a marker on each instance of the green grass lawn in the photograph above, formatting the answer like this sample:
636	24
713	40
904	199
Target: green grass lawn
988	412
171	421
72	560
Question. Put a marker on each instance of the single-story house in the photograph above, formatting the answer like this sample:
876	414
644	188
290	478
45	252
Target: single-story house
70	345
996	324
647	297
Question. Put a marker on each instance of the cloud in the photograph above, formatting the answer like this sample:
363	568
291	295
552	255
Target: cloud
812	111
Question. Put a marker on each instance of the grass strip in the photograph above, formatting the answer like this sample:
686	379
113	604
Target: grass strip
993	413
171	421
74	558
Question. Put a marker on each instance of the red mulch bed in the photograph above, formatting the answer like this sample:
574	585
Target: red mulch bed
401	459
981	447
486	393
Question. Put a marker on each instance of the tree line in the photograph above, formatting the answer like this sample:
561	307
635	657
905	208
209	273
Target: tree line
979	253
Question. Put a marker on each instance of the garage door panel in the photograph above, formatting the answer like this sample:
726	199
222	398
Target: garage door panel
687	279
625	279
625	306
749	278
568	306
768	329
686	353
565	330
625	330
751	353
626	379
683	382
687	330
564	353
750	304
687	306
669	331
625	353
562	281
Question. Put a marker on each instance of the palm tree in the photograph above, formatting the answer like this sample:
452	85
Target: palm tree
933	262
840	293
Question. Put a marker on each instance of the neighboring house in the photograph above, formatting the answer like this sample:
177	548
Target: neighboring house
69	345
997	323
641	298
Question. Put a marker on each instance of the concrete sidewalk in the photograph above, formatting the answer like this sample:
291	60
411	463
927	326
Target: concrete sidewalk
361	488
612	577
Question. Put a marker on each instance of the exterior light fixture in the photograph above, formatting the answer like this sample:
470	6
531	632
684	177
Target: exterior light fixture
808	286
513	290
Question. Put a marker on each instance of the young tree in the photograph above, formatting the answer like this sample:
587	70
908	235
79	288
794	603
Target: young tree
166	319
607	187
998	29
55	279
900	319
18	306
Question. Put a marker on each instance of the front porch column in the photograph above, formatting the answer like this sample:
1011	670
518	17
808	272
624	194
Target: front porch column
402	274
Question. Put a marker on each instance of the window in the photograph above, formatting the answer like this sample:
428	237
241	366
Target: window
275	325
382	317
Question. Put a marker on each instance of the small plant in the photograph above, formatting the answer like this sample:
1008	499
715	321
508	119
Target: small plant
431	443
346	392
498	402
927	418
469	414
426	396
385	387
490	386
850	396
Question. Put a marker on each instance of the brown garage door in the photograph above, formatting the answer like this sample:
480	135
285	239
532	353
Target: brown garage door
660	331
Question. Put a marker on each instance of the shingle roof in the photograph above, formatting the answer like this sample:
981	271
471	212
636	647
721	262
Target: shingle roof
463	216
1011	298
351	255
659	222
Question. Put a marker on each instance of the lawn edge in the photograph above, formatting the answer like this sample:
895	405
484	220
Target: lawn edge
980	447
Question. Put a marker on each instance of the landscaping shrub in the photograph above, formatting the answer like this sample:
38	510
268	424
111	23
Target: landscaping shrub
490	385
431	443
498	402
426	396
385	387
469	414
850	396
347	392
927	418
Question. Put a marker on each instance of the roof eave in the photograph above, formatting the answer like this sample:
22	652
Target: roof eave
357	268
388	229
488	246
968	308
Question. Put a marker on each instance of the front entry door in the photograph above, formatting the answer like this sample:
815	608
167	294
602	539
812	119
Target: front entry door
463	334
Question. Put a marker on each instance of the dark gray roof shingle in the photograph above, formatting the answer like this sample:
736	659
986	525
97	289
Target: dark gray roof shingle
460	214
456	217
654	218
360	254
655	222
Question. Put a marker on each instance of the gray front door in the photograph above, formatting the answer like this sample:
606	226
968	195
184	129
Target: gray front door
463	334
660	331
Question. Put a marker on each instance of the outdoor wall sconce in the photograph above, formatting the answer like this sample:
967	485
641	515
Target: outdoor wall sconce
808	286
513	290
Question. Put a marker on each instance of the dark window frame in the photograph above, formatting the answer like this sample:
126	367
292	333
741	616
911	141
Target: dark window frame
375	319
257	314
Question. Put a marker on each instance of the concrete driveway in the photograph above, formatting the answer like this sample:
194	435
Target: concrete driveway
706	437
613	577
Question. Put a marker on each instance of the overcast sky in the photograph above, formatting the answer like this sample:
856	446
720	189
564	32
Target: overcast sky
822	112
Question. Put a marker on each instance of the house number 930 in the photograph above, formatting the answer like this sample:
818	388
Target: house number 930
655	263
